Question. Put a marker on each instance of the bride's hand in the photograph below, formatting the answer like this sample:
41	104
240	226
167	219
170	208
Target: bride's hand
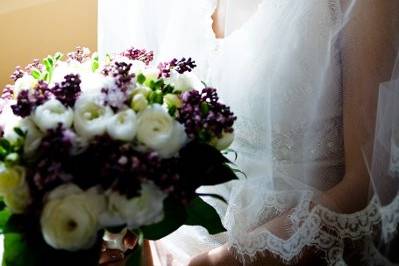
216	257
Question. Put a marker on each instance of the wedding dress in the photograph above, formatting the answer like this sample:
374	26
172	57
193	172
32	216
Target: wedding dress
280	68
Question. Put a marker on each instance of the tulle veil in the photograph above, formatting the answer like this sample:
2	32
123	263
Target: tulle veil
158	25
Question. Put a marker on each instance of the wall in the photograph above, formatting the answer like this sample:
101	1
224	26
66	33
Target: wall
32	29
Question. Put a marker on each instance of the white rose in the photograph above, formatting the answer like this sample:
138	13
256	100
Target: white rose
224	142
69	218
185	82
151	73
27	82
146	209
158	131
14	189
91	117
122	126
52	113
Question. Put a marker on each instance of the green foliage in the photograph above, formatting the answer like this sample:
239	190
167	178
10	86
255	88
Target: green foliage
201	213
95	64
140	78
175	216
11	152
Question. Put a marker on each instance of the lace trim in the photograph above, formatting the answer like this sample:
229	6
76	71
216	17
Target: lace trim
322	229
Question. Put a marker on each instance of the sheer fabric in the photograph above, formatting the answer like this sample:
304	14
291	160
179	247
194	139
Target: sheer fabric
281	67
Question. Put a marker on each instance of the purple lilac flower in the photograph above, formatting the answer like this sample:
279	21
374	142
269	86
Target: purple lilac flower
141	55
68	91
7	93
25	104
17	74
27	101
116	97
181	66
55	149
41	93
81	54
35	65
204	116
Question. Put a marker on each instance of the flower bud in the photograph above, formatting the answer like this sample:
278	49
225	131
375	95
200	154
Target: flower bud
139	103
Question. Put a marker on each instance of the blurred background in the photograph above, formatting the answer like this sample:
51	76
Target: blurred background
32	29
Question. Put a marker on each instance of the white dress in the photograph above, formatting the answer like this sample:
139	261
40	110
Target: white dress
281	73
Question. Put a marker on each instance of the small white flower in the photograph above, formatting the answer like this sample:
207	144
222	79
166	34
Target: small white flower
52	113
91	117
122	126
27	82
224	142
139	102
185	82
69	218
146	209
158	131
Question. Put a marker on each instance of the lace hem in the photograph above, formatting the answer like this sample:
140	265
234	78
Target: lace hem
323	229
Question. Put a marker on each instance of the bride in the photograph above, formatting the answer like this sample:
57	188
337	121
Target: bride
316	94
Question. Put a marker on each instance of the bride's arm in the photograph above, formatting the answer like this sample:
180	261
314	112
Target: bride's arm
367	61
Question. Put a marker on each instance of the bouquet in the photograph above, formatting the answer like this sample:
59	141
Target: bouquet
89	145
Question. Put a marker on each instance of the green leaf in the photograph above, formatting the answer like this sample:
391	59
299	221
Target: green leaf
20	132
36	74
5	215
140	78
95	62
175	216
58	56
5	144
16	251
201	213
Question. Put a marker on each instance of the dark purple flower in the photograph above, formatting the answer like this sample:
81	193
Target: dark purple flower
25	104
204	116
141	55
181	66
41	93
68	91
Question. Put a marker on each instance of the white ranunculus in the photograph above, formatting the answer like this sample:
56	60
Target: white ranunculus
91	117
185	82
122	126
9	121
14	189
158	131
93	83
224	142
52	113
27	82
61	70
146	209
33	136
69	219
